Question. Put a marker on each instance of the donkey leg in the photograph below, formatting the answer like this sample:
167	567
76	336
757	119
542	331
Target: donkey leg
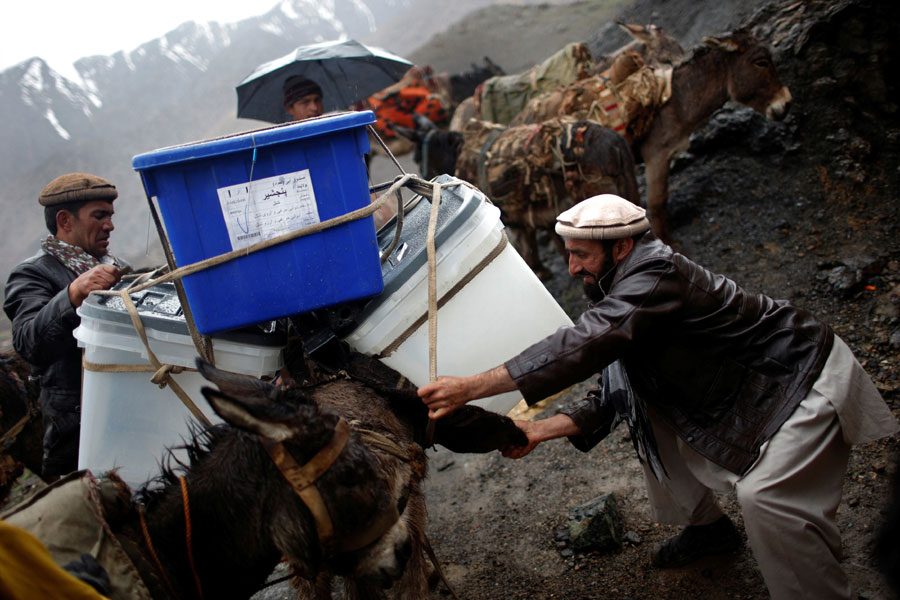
525	241
657	173
414	584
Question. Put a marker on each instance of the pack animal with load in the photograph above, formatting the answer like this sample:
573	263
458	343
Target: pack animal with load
421	91
500	99
327	475
531	172
658	111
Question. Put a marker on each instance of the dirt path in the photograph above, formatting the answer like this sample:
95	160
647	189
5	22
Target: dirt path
496	525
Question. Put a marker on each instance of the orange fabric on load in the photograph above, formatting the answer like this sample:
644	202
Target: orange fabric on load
399	107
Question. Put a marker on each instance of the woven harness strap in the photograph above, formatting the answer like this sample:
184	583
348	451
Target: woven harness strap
188	535
302	478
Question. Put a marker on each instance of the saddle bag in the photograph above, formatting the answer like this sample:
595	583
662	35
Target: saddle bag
69	518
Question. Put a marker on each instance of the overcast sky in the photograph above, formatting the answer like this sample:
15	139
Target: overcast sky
62	31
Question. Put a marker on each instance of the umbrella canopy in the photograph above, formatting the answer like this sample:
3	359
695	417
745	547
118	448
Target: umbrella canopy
347	72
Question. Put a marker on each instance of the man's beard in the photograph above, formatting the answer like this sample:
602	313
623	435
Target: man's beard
595	290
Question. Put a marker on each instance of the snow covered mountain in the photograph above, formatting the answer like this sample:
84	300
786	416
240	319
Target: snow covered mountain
171	90
174	89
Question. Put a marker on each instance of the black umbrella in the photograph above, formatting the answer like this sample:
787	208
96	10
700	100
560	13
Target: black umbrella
347	72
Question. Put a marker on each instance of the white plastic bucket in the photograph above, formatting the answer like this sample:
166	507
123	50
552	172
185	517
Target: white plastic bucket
501	310
128	422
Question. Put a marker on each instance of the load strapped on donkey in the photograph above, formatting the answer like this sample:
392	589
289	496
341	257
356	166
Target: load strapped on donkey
292	208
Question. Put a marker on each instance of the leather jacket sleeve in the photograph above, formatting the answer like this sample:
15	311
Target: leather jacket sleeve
43	318
594	419
643	300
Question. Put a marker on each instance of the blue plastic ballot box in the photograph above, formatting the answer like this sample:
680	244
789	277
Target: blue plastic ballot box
224	194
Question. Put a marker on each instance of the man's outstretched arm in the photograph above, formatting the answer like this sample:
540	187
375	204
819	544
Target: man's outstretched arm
557	426
448	393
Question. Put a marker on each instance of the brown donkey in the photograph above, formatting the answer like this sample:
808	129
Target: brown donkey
735	67
732	67
327	476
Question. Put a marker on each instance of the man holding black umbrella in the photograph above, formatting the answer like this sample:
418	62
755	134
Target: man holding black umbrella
342	71
302	98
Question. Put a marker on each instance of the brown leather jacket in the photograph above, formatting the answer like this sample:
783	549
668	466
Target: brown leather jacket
724	367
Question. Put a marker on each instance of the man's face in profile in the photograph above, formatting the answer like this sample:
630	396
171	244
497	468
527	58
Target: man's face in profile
90	226
306	107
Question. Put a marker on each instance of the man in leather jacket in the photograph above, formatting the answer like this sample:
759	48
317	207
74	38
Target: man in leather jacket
42	294
722	390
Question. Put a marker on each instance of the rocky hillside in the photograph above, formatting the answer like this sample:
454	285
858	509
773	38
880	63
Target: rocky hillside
805	209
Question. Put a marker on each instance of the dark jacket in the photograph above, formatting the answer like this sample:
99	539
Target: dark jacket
43	318
724	367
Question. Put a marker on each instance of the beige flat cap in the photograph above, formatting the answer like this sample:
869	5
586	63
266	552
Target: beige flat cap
604	217
77	187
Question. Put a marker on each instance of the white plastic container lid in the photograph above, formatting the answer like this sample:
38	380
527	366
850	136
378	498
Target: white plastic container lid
105	323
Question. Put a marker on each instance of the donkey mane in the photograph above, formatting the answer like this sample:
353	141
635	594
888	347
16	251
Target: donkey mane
200	443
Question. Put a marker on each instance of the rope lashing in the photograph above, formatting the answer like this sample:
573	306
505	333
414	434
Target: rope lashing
163	374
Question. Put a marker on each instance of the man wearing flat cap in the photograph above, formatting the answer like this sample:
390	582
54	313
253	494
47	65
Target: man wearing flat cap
302	98
42	294
721	390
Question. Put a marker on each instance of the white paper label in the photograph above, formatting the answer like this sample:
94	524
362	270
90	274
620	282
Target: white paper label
262	209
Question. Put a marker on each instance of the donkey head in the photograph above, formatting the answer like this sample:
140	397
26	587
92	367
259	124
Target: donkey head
752	77
361	508
462	85
436	150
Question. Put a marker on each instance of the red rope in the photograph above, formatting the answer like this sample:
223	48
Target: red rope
153	553
187	530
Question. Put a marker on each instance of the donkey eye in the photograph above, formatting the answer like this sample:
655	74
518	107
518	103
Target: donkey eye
762	63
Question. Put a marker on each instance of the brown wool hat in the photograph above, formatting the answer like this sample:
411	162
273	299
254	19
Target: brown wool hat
77	187
604	217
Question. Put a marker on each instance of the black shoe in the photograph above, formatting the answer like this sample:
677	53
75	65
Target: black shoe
697	541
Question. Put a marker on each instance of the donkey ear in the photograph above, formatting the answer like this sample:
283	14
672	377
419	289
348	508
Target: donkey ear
249	389
724	43
638	32
492	66
249	416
